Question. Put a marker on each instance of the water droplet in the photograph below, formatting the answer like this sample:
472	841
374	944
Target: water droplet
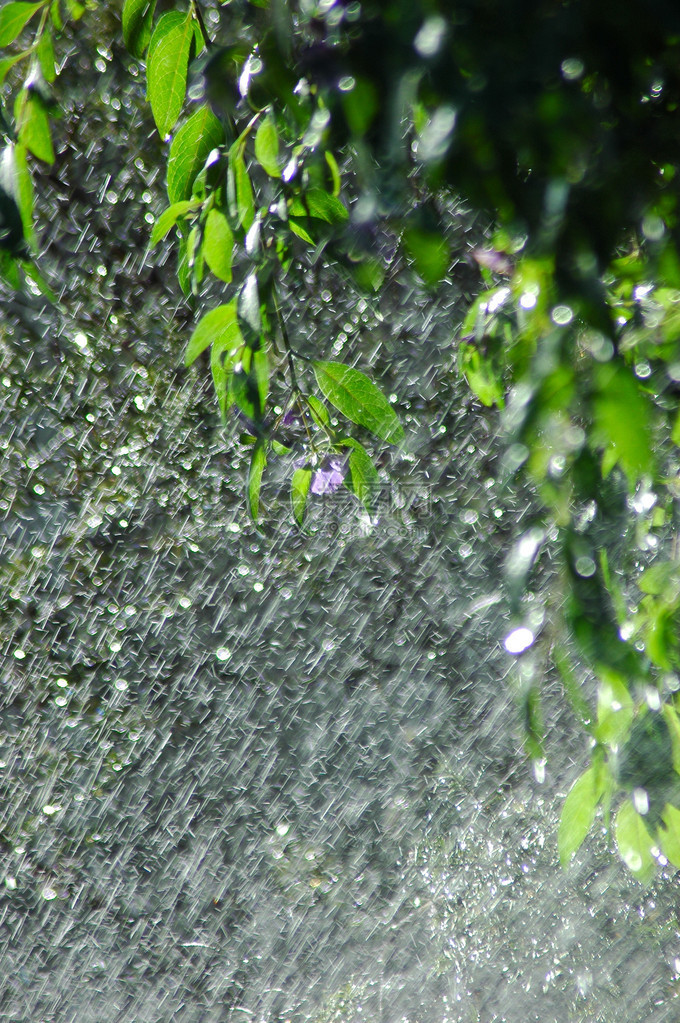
282	830
585	566
50	809
223	653
429	39
562	315
572	68
633	859
19	654
653	227
48	894
519	640
641	801
121	684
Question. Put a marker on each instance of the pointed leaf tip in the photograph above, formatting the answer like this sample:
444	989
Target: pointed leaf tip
351	392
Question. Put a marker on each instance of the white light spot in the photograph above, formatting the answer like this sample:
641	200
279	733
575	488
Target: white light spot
519	640
429	40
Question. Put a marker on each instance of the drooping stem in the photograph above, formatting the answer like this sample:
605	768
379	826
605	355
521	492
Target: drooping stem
286	344
198	14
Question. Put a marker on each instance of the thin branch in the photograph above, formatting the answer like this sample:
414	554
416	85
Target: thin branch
201	24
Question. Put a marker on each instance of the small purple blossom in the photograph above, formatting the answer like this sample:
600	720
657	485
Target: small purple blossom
291	418
330	474
492	259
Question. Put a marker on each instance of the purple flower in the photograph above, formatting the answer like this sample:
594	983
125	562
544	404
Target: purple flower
493	260
291	418
330	474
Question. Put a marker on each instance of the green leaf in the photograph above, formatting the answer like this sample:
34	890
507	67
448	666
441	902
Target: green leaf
481	376
137	24
31	270
532	719
9	270
578	812
218	245
673	723
430	254
257	465
364	480
267	147
75	9
7	63
634	842
248	310
319	411
615	710
216	326
315	202
660	578
335	171
195	257
299	491
167	68
24	192
297	229
190	148
357	397
250	384
579	704
34	125
169	218
55	15
675	432
369	274
669	835
13	17
183	268
661	638
223	355
45	51
239	189
621	415
361	104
